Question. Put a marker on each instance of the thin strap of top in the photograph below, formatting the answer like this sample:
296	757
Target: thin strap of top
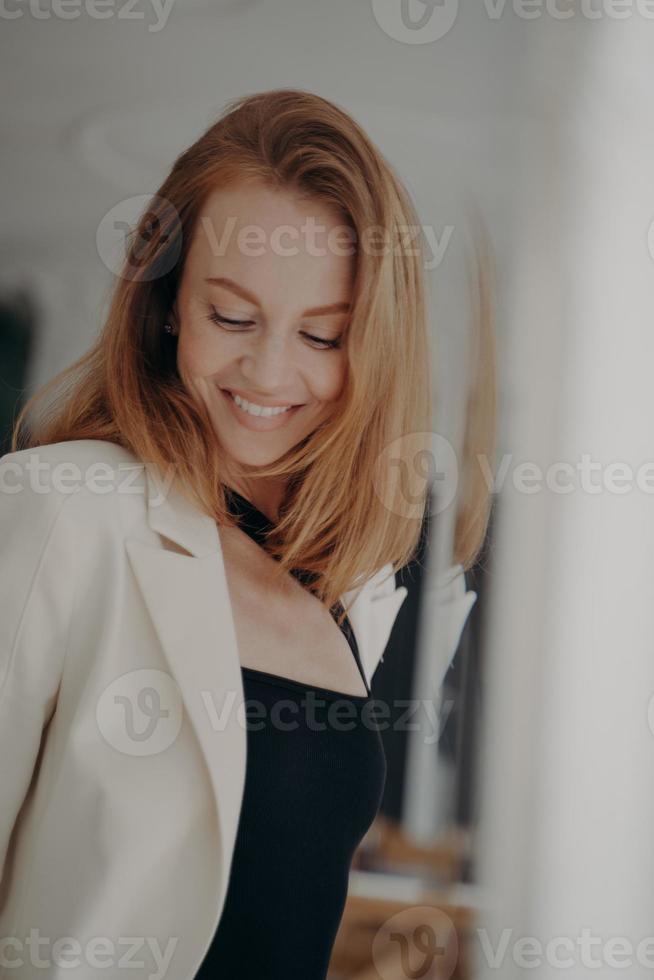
255	524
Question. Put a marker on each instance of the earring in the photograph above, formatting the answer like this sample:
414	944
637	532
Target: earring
168	328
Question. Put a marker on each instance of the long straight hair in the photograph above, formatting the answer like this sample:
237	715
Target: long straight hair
345	512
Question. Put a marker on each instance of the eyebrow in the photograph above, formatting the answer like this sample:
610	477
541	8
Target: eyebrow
251	298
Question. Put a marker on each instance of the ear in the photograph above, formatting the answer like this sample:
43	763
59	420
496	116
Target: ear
173	317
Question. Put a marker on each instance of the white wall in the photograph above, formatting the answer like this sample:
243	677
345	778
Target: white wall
568	782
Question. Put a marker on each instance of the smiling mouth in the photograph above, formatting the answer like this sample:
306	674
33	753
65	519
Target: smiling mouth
261	417
259	409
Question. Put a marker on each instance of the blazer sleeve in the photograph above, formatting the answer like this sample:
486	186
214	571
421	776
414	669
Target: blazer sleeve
37	584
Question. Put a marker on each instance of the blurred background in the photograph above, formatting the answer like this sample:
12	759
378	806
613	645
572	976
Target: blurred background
516	827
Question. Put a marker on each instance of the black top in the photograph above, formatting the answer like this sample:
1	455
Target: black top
314	782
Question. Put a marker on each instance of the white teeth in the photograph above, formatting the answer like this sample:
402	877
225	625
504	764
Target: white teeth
253	409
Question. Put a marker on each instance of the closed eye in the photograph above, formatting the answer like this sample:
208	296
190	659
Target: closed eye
227	324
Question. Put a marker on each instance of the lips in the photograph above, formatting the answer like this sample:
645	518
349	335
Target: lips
258	423
253	401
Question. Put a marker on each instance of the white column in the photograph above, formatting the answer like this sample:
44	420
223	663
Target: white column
565	845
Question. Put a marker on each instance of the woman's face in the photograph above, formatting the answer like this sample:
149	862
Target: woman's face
259	315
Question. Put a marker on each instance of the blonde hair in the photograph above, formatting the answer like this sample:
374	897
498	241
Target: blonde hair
343	516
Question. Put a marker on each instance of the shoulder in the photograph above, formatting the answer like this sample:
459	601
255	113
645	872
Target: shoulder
36	484
57	458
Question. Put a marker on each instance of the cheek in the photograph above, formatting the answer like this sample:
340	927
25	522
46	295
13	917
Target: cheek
328	380
198	352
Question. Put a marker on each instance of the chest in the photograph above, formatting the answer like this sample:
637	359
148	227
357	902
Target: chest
282	628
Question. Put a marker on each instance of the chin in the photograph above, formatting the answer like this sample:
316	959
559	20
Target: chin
254	455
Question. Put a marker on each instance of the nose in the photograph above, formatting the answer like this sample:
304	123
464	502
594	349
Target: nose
267	364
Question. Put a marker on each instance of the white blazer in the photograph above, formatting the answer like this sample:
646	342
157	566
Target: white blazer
123	743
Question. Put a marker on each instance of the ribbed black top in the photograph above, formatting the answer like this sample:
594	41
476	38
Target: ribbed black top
314	781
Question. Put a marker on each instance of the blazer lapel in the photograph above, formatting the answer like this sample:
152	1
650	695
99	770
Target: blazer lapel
188	600
374	609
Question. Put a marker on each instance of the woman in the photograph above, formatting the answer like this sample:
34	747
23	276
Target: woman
209	514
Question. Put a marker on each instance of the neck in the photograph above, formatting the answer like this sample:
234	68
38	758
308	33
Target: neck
265	495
